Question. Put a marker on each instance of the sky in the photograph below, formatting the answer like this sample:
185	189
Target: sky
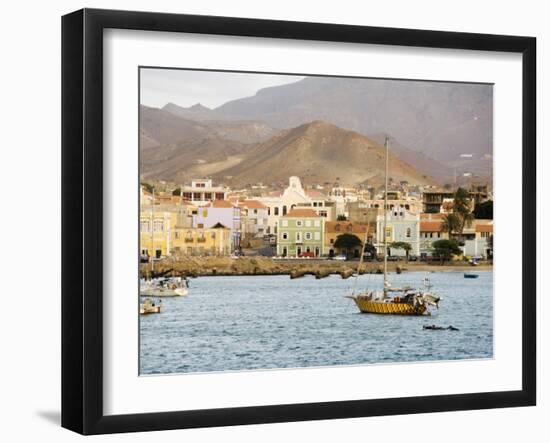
187	88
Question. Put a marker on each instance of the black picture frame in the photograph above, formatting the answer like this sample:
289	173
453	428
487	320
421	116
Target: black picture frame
82	219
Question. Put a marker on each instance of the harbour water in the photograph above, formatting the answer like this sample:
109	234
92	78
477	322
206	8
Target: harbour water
265	322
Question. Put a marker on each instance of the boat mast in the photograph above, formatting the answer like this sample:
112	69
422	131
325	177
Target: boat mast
386	144
153	234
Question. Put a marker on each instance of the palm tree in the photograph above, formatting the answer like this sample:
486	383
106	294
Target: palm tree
461	207
451	223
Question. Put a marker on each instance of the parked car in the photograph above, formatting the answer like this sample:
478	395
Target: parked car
340	257
307	255
413	258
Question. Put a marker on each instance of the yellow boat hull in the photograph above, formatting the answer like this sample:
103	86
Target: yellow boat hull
382	307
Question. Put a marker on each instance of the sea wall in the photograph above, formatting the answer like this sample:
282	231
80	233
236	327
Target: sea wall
201	266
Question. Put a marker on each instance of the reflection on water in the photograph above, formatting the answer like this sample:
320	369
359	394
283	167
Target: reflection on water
260	322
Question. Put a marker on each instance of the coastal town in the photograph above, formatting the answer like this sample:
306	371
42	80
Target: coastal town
205	219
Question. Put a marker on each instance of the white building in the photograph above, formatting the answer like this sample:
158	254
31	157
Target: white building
280	204
254	218
402	226
203	191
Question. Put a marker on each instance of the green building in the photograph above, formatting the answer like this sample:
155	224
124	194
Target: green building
300	234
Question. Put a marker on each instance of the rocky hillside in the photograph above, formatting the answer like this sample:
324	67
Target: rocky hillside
319	152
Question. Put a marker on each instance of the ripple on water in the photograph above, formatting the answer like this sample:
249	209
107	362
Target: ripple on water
265	322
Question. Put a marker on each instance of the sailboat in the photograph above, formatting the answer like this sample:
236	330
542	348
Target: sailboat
161	286
392	300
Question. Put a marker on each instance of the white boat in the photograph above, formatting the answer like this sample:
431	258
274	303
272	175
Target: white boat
164	287
149	307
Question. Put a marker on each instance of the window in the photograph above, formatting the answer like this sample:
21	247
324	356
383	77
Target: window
317	235
208	196
158	226
298	236
331	240
408	232
299	223
220	196
144	226
316	223
285	251
308	223
284	210
337	228
284	223
308	236
285	235
276	210
268	210
439	235
255	211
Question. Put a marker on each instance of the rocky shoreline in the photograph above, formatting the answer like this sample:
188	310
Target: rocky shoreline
227	266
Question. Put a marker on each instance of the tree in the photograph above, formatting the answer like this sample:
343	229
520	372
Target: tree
176	191
402	245
347	242
461	206
451	223
148	187
484	210
341	217
445	249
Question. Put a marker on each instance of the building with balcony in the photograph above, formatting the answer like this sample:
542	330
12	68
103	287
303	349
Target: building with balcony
202	191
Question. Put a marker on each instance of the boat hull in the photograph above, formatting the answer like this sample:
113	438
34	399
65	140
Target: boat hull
471	275
163	292
149	310
388	308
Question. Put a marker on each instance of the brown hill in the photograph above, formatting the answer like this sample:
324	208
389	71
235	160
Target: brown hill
163	127
167	126
190	158
319	152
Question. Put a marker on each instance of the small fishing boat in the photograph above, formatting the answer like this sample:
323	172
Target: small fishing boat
149	307
164	287
470	275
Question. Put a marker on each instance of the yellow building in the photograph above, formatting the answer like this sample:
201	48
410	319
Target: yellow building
155	233
202	241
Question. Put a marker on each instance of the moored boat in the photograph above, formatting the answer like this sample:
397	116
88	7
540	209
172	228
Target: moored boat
410	301
149	307
164	287
470	275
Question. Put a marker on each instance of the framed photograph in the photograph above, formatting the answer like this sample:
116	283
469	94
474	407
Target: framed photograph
269	221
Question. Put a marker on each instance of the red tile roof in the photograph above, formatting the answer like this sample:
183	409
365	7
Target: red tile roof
431	226
220	204
252	204
343	226
484	227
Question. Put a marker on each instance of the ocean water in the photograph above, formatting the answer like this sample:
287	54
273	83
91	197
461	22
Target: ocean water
264	322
